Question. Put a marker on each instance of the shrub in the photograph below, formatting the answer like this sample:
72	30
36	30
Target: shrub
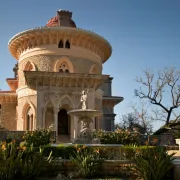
87	161
118	136
31	162
20	162
64	152
38	137
9	158
124	152
153	163
60	151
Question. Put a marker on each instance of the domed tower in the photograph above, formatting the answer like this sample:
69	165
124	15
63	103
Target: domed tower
55	63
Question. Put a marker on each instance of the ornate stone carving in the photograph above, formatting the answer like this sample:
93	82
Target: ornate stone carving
85	132
63	68
46	97
26	92
76	100
54	97
66	101
42	62
44	65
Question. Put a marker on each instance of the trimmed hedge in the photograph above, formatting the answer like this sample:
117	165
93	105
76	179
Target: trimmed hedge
121	153
60	151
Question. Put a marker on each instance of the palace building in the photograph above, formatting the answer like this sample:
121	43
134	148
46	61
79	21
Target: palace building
54	64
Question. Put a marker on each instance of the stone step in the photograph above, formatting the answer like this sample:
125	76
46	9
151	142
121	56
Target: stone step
63	139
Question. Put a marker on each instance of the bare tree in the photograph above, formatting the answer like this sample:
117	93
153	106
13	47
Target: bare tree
161	89
136	122
143	118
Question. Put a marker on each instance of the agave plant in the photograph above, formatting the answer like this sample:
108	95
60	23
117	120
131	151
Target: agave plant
154	164
87	161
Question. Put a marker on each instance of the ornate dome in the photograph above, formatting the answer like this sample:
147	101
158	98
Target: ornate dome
53	22
63	18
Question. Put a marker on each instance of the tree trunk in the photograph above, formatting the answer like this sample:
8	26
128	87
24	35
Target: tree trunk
168	117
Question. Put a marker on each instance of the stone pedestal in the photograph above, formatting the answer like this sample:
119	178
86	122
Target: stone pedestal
85	117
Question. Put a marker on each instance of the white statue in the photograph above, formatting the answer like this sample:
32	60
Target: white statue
84	98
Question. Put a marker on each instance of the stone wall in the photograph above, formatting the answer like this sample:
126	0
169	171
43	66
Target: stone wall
108	168
8	115
106	87
47	63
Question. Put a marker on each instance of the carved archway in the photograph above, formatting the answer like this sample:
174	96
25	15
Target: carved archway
64	65
67	101
29	116
94	69
64	120
30	66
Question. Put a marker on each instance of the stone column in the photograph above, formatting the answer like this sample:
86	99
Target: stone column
56	122
43	117
71	127
76	128
91	105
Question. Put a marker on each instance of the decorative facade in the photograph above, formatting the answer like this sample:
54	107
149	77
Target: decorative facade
55	63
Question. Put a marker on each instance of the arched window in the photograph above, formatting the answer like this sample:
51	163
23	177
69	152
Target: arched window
67	45
29	120
60	45
64	65
63	68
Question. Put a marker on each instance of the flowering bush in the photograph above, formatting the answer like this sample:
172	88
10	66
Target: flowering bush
10	157
38	137
118	136
87	161
20	162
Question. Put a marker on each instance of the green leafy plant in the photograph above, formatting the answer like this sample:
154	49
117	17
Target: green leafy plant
31	162
153	163
87	161
38	137
9	158
118	136
20	162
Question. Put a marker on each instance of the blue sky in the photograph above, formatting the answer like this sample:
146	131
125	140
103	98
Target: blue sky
144	34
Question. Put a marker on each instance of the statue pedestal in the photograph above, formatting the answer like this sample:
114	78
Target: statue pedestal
85	117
